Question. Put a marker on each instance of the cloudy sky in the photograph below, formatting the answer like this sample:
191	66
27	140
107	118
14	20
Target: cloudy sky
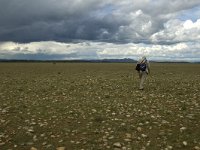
99	29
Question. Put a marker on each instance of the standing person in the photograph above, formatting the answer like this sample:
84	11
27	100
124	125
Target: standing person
143	69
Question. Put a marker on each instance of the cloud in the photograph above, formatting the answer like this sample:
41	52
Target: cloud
98	50
89	29
96	20
176	31
47	50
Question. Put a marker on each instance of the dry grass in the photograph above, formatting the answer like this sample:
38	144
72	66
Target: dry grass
98	106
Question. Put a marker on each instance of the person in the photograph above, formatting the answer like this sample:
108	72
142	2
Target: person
143	68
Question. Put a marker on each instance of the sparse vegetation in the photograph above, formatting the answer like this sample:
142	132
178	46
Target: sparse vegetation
98	106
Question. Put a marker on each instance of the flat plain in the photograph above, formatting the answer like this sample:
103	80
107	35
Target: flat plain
91	106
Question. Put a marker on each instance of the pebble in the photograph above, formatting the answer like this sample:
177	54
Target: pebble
169	147
184	143
144	135
113	114
33	148
111	137
108	147
4	111
1	144
190	116
139	129
141	124
143	148
182	129
42	135
124	148
2	121
44	143
117	148
164	122
148	143
60	148
127	140
162	133
118	145
128	135
72	142
49	145
35	138
30	130
197	148
94	110
123	124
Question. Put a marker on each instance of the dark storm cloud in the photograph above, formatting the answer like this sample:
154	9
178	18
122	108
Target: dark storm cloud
26	21
38	56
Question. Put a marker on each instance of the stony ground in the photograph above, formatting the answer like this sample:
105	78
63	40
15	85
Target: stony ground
88	106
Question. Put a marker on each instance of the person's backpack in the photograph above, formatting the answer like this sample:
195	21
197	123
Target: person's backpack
143	66
137	67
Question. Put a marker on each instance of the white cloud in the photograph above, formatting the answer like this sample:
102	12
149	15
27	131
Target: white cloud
178	31
49	47
101	50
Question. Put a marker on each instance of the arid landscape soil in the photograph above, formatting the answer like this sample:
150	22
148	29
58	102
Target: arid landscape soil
91	106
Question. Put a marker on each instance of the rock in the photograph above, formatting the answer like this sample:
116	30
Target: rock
72	142
128	135
143	148
162	133
139	129
127	140
169	147
190	116
113	114
117	144
108	147
2	121
124	148
60	148
141	124
117	148
184	143
44	143
4	111
123	124
197	148
144	135
1	144
182	129
33	148
60	141
148	143
30	130
94	110
164	122
35	138
111	137
49	145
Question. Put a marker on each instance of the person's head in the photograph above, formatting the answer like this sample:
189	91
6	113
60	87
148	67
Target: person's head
142	59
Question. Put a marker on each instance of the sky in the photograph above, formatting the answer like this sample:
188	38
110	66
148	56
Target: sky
166	30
